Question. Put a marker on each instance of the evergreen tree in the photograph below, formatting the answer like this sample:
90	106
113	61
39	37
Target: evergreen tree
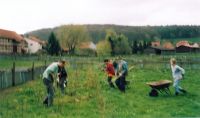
53	46
135	47
141	49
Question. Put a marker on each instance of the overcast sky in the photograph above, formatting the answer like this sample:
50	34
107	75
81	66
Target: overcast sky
27	15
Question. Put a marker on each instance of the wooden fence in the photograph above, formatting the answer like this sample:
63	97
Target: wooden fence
13	77
16	76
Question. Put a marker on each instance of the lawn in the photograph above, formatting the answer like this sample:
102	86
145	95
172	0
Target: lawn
88	96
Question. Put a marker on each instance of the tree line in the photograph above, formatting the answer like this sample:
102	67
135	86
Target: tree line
121	39
70	38
98	32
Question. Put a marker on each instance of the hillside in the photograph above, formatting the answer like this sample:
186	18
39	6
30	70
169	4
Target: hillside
98	32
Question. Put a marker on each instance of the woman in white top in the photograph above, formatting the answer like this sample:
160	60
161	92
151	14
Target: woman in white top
177	74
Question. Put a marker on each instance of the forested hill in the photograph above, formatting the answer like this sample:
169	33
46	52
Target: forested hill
98	32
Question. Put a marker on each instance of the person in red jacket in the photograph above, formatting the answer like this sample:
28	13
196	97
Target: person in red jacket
110	71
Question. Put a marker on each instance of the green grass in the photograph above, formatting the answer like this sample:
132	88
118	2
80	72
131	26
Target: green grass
88	96
8	64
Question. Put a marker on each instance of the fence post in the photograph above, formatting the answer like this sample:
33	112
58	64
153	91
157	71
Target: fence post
13	74
32	71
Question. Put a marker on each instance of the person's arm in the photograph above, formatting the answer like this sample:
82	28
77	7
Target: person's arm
181	69
124	68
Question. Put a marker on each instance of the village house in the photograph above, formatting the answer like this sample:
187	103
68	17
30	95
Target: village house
157	48
184	47
155	43
87	48
34	44
88	45
83	49
11	42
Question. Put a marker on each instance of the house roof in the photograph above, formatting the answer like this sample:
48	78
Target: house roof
183	43
187	44
168	45
165	46
86	45
195	45
155	43
36	40
10	35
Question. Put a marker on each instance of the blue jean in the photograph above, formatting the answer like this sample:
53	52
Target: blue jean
50	91
120	82
176	85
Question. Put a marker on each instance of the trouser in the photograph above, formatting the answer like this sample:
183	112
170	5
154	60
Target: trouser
50	91
121	82
176	85
110	82
62	83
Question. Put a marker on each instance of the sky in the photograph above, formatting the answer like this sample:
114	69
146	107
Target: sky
28	15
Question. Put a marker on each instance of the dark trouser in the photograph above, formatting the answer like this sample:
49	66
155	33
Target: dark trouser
50	91
121	82
110	82
62	84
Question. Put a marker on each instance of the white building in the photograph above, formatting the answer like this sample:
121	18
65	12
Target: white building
34	44
88	45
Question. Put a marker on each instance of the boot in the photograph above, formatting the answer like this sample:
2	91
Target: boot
182	90
176	93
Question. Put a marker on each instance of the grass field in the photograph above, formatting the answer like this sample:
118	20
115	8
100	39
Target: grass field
88	96
8	64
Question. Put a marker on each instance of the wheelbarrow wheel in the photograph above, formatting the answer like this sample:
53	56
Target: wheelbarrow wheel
153	93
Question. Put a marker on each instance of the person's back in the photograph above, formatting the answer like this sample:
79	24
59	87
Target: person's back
177	72
51	69
123	67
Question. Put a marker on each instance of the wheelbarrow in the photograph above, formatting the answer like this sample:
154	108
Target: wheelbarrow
161	86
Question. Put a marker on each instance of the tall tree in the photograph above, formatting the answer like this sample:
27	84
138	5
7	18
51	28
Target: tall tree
111	37
71	36
103	48
135	47
141	49
119	43
53	46
122	46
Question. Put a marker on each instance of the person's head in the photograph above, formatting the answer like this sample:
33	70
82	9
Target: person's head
118	59
173	61
61	63
106	61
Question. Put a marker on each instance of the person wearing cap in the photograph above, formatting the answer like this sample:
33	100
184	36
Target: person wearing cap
48	80
110	72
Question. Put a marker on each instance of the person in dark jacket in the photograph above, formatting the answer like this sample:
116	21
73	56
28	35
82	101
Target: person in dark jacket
62	79
122	72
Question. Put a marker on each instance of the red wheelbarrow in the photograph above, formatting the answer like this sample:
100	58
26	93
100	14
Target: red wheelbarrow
161	86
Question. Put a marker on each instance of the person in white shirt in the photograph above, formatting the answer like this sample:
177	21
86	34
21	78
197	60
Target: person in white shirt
177	74
48	80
